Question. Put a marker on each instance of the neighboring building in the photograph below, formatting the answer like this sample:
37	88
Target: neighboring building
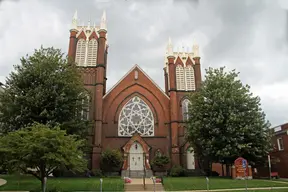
279	156
135	115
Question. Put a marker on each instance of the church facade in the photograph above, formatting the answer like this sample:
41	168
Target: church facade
135	116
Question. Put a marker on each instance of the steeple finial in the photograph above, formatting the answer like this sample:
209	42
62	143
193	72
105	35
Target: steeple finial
75	15
75	20
170	47
195	49
88	26
103	21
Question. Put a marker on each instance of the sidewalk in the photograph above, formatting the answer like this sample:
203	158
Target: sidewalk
2	182
237	189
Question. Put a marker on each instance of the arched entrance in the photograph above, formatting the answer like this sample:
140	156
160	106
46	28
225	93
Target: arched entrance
190	158
136	157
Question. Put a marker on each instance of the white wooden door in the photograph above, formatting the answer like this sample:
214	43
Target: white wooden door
190	159
136	157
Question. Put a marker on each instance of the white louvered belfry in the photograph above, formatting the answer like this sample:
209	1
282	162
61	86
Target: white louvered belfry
80	52
86	56
190	79
185	79
180	79
92	52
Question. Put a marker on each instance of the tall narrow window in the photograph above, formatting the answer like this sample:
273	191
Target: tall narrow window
136	117
92	52
190	79
85	107
80	52
280	144
185	109
180	81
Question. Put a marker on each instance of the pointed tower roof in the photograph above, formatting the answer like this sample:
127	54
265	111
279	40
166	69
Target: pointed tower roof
88	26
103	25
195	49
74	21
169	48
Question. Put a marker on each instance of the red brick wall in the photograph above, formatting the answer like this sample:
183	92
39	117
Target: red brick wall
158	102
280	158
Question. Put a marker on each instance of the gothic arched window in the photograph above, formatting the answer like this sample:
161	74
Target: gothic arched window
92	52
185	109
80	52
136	117
190	79
85	107
180	79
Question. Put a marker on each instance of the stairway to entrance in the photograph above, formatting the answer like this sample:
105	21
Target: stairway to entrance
136	174
137	185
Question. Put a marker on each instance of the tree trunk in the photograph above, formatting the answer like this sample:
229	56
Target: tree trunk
223	169
228	170
43	183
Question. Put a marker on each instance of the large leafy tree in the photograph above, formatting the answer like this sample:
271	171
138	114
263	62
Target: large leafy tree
39	149
44	88
226	120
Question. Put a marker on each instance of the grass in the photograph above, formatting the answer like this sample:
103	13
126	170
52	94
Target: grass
273	190
194	183
30	183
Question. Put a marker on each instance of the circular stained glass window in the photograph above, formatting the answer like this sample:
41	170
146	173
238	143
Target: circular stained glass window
136	117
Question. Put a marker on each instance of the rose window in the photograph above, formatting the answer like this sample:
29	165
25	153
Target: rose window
136	117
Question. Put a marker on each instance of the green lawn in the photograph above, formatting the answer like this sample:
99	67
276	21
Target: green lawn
29	183
273	190
193	183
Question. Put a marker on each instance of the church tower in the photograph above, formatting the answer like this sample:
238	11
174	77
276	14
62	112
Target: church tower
182	75
88	49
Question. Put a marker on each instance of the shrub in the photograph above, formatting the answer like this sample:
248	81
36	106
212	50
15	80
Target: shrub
160	161
111	160
210	173
177	171
97	172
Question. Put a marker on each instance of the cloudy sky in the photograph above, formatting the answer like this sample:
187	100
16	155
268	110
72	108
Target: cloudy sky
247	35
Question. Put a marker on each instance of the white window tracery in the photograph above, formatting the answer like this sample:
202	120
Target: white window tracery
80	52
185	109
185	79
136	116
86	52
190	79
92	52
180	80
85	107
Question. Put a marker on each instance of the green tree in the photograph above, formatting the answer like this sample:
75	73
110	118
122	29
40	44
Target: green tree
39	149
44	88
111	160
226	120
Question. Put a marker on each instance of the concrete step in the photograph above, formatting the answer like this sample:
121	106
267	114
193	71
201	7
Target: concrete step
136	174
140	187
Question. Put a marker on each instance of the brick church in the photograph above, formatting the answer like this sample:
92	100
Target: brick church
135	116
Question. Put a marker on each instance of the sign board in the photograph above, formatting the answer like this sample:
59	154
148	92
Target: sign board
241	167
244	163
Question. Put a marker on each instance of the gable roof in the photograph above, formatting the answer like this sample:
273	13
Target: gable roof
136	66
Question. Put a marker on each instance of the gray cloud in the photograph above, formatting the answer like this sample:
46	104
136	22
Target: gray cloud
249	35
